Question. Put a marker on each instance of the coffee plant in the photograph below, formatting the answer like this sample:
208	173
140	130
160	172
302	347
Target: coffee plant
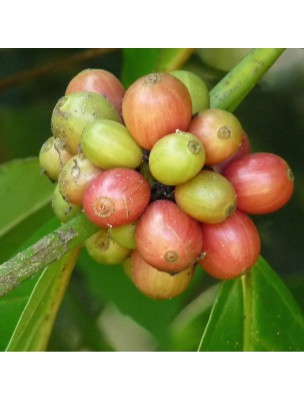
147	208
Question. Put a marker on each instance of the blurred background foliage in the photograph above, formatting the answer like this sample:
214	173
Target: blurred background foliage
102	310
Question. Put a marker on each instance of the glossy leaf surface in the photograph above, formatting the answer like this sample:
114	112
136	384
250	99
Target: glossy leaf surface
255	312
138	62
24	203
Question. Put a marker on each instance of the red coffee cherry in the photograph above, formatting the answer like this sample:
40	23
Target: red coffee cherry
231	248
158	284
263	182
243	150
155	105
167	238
116	197
219	131
99	81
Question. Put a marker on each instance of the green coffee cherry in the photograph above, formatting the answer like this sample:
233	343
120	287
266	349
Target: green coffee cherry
127	267
63	210
208	197
124	235
222	59
176	158
52	157
197	88
104	250
75	177
74	111
108	144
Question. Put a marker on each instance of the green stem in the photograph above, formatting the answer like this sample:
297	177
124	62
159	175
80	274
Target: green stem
235	86
47	250
248	304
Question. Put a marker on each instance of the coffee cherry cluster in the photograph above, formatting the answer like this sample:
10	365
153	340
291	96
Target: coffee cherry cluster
169	181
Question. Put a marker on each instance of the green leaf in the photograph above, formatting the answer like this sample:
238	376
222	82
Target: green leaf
35	325
186	328
136	63
255	312
23	191
24	203
139	62
172	59
11	307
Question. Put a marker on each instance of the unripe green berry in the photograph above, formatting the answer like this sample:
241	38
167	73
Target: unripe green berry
208	197
104	250
108	144
197	88
75	177
127	267
63	210
52	157
124	235
74	111
176	158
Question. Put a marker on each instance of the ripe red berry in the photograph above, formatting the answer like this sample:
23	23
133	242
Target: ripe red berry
99	81
158	284
263	182
243	150
231	248
168	238
219	131
116	197
155	105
